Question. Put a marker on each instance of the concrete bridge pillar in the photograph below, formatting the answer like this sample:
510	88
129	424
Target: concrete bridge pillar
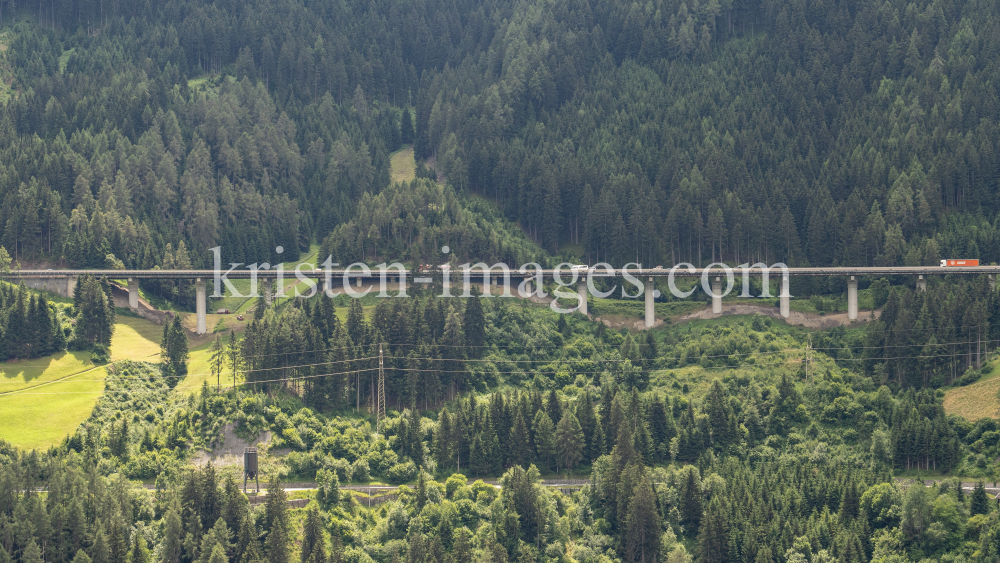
650	304
581	291
785	305
717	296
133	293
993	281
921	283
70	286
268	299
200	306
852	298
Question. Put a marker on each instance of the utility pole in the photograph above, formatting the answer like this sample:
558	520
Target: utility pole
380	414
809	347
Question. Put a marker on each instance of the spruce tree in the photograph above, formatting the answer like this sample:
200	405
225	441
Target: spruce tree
442	440
139	552
980	502
461	550
569	440
313	542
406	127
519	441
118	542
545	446
642	529
173	542
218	555
713	543
474	325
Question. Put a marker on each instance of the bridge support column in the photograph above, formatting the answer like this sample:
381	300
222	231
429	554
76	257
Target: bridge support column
993	281
921	283
200	306
357	282
268	299
852	298
70	286
717	296
784	299
650	304
133	293
581	291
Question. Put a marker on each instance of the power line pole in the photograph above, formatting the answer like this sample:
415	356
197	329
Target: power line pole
380	414
809	347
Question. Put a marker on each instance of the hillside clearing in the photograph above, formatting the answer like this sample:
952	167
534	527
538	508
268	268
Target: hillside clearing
403	165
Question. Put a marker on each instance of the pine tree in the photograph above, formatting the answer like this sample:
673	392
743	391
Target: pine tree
980	503
474	325
553	407
139	553
33	554
118	542
545	446
691	502
174	349
406	127
461	550
216	360
247	547
218	555
313	543
519	441
713	543
569	439
80	557
173	530
643	530
100	552
276	523
442	440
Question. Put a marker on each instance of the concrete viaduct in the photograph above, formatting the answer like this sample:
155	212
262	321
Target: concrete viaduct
63	282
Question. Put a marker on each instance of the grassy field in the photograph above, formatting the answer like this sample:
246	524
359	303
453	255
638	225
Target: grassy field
20	375
44	399
40	417
979	400
136	339
403	165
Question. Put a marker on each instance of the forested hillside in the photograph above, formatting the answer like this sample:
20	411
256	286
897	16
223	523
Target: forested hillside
853	132
820	132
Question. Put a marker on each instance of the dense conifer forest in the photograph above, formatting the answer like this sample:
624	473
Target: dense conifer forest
820	132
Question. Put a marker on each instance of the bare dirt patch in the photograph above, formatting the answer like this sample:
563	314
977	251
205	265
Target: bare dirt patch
808	320
228	448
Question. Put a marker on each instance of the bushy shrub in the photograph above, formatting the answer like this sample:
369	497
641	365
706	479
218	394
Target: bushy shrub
360	470
99	354
401	472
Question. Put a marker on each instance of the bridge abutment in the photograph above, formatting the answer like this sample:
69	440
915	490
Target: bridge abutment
784	299
717	296
852	298
268	299
133	294
650	304
200	305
